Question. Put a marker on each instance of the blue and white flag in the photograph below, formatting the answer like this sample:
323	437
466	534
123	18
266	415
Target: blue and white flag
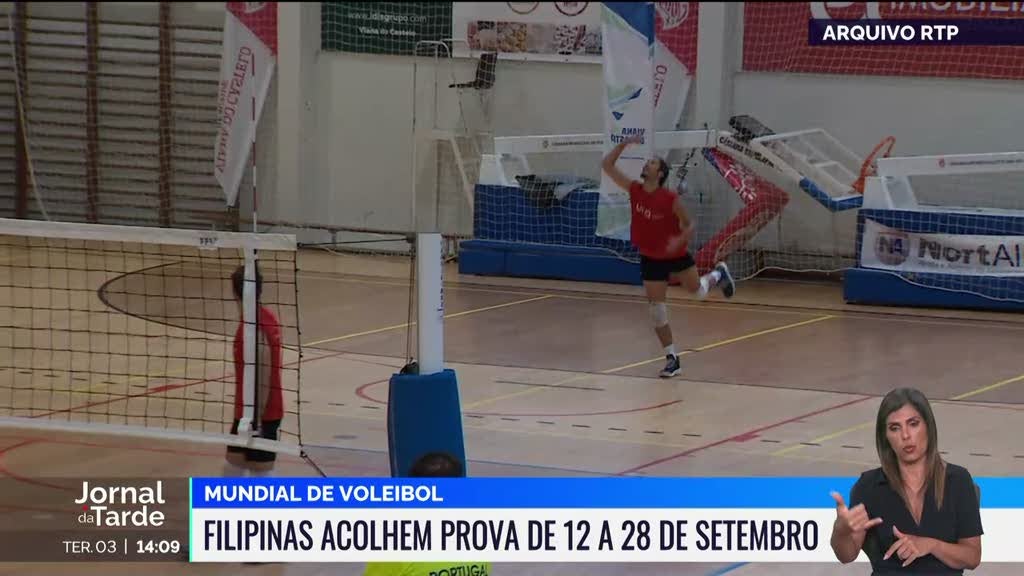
627	36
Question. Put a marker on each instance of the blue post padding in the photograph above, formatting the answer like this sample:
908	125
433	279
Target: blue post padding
525	234
511	214
424	415
575	263
883	288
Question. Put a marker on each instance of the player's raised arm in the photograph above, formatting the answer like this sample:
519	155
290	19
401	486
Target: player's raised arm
608	163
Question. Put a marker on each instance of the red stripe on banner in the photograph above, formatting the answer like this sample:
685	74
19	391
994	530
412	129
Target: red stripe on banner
261	18
676	27
764	201
675	60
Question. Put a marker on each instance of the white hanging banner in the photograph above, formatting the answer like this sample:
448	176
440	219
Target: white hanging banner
247	66
627	32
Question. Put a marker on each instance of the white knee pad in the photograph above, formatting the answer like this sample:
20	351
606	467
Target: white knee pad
659	313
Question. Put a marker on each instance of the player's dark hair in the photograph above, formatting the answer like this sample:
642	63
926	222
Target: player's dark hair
238	282
436	465
662	171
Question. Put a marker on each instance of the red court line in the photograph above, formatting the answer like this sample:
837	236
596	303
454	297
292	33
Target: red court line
113	446
742	437
7	471
361	392
169	387
16	508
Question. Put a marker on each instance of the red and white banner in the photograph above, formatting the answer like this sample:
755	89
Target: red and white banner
675	60
763	201
247	66
775	40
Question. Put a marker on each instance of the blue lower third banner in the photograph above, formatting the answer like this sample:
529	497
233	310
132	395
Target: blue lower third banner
546	519
973	32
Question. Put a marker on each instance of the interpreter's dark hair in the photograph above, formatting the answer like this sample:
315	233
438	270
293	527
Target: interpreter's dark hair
238	282
935	466
436	465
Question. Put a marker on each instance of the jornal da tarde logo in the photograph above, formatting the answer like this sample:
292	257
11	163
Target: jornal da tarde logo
122	506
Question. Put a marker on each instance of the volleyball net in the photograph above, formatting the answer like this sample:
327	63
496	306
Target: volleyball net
133	330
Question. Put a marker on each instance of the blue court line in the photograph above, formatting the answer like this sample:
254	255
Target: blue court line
728	569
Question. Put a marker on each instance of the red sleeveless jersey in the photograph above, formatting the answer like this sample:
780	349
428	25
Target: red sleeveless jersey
654	222
268	367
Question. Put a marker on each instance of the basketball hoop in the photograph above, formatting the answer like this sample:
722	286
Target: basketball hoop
869	168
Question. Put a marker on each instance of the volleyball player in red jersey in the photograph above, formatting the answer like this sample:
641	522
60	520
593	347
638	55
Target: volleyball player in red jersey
660	229
270	403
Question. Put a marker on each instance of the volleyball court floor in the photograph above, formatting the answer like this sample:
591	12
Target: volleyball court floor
561	380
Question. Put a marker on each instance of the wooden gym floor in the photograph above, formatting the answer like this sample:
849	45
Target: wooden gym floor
561	379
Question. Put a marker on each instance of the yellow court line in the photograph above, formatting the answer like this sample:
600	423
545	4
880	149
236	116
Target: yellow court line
753	308
763	332
720	343
845	431
446	317
815	458
988	388
790	449
535	389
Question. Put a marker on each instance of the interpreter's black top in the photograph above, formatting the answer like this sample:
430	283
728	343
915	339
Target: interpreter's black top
960	517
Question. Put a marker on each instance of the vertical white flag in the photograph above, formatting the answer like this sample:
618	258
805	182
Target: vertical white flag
627	44
675	57
247	66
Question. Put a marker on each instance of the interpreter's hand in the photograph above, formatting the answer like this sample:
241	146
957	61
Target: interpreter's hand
852	520
908	547
634	139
